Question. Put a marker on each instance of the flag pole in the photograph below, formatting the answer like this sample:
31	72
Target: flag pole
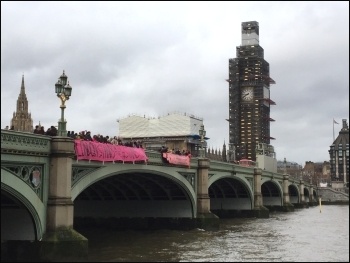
333	130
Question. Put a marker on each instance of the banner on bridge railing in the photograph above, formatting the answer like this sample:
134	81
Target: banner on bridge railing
177	159
105	152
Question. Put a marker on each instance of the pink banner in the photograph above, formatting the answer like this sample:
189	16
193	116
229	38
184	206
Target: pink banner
177	159
104	152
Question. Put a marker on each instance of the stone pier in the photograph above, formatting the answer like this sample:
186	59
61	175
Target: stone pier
302	203
259	210
287	206
205	218
61	242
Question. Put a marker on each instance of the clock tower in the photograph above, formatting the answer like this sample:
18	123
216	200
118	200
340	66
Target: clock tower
249	96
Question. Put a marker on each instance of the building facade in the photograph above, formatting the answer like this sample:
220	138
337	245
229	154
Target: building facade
249	96
175	131
293	169
317	173
22	120
339	158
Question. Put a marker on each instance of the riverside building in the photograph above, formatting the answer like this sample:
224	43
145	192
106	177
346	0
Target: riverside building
174	130
339	158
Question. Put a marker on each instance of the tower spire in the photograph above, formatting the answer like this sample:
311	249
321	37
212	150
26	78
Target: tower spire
22	120
22	85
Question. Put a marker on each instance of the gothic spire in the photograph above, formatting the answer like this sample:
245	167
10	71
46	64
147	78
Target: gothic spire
22	119
22	97
22	86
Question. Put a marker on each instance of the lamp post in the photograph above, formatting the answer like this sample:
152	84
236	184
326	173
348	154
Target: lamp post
202	133
63	91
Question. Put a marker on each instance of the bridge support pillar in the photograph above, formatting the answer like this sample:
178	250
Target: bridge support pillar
287	206
312	200
60	241
259	210
205	218
302	203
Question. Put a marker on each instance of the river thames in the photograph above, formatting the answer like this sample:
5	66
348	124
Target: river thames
305	235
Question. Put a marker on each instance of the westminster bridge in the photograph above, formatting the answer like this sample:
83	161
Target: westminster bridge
45	191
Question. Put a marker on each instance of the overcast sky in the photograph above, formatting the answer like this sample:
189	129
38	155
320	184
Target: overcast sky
154	58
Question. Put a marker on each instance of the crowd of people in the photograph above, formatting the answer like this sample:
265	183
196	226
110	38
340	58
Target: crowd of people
177	151
11	129
52	131
86	136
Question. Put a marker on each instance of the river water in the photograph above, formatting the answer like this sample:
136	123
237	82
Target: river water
306	235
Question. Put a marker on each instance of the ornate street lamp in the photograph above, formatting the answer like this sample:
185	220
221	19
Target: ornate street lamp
63	91
202	133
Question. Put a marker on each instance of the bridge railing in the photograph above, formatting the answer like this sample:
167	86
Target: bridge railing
15	142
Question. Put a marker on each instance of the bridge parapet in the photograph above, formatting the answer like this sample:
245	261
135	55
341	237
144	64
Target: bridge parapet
219	166
19	157
155	158
25	143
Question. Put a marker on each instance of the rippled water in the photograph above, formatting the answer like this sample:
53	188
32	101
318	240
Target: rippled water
305	235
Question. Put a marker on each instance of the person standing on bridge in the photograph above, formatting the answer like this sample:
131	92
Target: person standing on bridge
37	129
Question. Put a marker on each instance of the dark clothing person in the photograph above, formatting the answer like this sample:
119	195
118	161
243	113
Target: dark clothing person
88	136
53	131
41	131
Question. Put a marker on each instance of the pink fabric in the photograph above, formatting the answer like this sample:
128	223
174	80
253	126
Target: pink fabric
177	159
96	151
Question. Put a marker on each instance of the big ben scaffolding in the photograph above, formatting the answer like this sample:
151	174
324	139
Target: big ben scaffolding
249	96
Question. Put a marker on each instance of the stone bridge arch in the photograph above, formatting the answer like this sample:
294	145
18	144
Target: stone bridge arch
230	191
136	191
306	194
25	215
294	194
272	192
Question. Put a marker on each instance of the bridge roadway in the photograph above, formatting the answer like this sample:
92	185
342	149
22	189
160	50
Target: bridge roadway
41	182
